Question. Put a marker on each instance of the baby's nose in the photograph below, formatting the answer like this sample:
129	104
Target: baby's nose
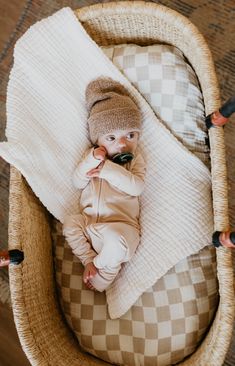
122	141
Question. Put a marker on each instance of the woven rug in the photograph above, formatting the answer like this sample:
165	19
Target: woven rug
214	19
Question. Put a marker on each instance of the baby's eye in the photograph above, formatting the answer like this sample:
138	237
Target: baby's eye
130	135
110	138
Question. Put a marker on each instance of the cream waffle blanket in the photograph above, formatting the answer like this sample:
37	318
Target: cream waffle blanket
47	135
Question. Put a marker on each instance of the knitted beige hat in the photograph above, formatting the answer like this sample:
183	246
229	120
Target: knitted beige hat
110	108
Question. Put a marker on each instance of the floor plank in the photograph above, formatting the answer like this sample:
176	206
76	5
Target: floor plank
9	14
11	353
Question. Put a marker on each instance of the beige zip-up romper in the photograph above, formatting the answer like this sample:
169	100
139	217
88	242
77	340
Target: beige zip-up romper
107	230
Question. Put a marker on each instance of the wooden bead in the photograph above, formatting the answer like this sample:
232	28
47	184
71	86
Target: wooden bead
4	258
218	119
225	239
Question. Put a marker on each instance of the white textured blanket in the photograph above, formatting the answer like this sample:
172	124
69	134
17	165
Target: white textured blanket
47	135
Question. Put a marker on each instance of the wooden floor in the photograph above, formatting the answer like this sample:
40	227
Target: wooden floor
9	14
11	353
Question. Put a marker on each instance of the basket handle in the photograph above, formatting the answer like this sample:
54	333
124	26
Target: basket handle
220	117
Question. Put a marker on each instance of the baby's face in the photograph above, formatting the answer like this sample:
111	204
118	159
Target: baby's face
119	141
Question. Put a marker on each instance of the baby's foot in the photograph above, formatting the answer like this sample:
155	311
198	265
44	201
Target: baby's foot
89	272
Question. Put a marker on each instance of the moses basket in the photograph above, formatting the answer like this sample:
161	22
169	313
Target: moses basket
45	337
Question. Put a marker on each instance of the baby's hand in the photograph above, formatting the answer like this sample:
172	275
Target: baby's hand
100	153
96	171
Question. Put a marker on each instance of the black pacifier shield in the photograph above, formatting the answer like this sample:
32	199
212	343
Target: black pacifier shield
122	158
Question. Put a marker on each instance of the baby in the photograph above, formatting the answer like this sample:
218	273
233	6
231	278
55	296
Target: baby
106	232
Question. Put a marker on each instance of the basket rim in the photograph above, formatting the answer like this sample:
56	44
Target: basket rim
129	7
216	342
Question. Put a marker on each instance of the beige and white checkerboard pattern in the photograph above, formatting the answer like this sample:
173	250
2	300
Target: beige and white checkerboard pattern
170	86
169	320
161	328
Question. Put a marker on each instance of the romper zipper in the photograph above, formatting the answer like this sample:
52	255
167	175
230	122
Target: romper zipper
98	203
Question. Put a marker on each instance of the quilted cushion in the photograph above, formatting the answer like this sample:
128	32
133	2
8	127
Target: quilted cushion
170	86
170	319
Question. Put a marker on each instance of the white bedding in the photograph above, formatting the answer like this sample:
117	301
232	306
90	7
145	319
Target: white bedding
47	135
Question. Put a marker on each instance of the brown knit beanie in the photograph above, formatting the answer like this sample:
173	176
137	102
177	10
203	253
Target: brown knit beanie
110	108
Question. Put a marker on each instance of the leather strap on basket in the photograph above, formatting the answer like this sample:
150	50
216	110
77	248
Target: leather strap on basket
220	118
13	256
225	239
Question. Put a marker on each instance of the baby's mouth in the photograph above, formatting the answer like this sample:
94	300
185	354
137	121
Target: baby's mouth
122	158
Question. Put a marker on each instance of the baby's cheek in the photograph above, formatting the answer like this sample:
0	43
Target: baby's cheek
132	147
110	150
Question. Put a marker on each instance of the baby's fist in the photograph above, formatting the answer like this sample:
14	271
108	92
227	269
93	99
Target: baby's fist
100	153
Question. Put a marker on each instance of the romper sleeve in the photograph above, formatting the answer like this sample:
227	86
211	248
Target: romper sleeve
129	181
80	179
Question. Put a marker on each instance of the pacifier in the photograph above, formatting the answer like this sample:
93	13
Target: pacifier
122	158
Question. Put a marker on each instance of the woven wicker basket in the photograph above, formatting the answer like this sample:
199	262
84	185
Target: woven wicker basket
44	335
